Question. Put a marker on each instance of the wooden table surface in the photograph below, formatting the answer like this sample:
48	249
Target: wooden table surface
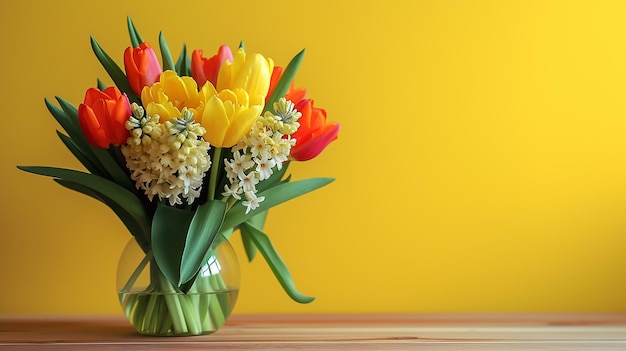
330	332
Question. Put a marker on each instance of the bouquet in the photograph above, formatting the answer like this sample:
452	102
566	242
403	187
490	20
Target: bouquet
185	153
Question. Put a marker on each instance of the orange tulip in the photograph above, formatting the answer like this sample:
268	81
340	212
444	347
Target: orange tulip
103	115
314	133
142	67
206	69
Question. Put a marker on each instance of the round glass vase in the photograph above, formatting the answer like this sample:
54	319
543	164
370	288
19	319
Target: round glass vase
155	307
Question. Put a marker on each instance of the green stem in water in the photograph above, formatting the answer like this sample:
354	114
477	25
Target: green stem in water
214	172
215	307
149	318
190	314
203	305
173	305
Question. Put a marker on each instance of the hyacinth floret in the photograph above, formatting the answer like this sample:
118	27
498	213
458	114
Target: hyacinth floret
264	148
169	159
142	126
285	118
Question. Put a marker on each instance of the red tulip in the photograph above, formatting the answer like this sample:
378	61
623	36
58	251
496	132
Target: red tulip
142	67
103	117
314	133
203	69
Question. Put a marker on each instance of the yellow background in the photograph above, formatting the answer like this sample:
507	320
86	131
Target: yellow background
481	164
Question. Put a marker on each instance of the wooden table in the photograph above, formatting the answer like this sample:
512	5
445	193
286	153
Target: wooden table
331	332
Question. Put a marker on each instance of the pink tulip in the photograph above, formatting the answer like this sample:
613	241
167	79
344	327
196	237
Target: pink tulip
142	67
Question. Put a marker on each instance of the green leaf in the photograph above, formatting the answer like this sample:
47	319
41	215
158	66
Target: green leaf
124	199
169	232
114	71
135	38
273	196
69	125
248	244
242	46
282	87
204	227
166	55
181	239
78	153
257	221
71	112
275	262
67	117
183	62
138	227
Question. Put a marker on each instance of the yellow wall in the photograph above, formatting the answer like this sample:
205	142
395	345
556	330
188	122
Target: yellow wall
481	165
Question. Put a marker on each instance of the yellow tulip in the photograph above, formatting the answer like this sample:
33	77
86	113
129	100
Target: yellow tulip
251	73
228	116
172	93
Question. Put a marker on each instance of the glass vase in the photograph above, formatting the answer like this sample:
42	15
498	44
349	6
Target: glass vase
155	307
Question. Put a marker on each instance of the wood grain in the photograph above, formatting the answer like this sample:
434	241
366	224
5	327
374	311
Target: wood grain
330	332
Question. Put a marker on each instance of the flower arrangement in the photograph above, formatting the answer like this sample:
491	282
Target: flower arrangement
185	153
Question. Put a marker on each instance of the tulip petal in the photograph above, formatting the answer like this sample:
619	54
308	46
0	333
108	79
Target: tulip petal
197	67
241	123
92	129
92	95
215	121
249	72
315	145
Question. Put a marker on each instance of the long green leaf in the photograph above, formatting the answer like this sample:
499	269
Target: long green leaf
257	221
273	196
135	38
71	113
67	117
78	153
282	87
114	71
166	55
138	227
117	171
125	199
275	262
59	115
203	229
248	244
169	232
